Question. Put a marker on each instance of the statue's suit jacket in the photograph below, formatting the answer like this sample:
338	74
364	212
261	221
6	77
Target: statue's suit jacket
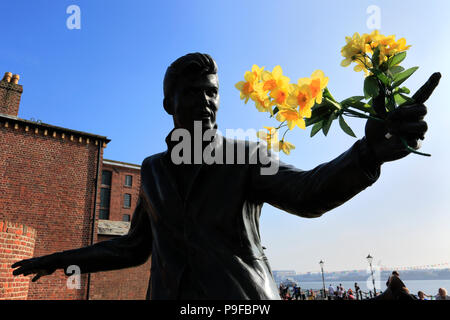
211	233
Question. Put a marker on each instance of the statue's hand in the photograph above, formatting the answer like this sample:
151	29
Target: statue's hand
41	266
406	122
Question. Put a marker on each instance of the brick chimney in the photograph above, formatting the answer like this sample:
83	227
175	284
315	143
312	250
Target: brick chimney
10	93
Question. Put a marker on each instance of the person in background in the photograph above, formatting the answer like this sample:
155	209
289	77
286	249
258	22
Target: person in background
301	294
442	294
296	292
396	290
330	292
350	295
340	291
421	295
394	274
281	291
357	290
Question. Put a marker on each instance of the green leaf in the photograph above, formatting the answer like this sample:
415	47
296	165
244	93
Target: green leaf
384	66
396	69
345	127
401	77
316	128
396	59
327	125
380	75
371	88
334	104
409	100
351	99
399	99
355	102
327	94
390	103
402	99
404	90
318	113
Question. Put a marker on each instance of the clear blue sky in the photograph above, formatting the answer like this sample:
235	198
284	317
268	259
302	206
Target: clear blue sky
106	78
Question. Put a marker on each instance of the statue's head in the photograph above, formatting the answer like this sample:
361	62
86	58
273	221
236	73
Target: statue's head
191	91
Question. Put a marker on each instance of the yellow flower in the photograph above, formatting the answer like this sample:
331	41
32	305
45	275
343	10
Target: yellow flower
316	83
293	118
277	84
360	66
397	46
262	101
271	137
359	47
247	87
302	96
354	48
286	147
257	71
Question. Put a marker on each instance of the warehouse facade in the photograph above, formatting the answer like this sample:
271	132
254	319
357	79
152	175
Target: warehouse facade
51	181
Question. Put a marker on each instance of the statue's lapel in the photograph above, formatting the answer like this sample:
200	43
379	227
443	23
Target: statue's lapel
170	175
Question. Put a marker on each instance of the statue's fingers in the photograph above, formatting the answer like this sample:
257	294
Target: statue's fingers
36	277
410	129
414	143
17	264
427	89
28	272
19	271
411	112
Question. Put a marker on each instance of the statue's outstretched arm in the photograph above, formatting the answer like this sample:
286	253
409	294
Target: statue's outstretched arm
122	252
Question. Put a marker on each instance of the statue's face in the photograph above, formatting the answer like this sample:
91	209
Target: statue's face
196	98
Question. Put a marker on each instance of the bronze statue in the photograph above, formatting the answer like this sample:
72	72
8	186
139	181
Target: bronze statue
200	222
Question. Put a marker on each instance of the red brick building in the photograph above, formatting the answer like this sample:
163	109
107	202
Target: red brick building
119	193
49	177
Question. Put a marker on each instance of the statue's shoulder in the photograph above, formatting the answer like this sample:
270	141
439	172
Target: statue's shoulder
150	160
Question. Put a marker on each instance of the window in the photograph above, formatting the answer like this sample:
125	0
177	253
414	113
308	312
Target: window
126	217
127	200
106	177
128	181
104	214
105	198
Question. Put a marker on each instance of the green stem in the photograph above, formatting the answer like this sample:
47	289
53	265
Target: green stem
282	139
412	150
281	125
361	115
336	104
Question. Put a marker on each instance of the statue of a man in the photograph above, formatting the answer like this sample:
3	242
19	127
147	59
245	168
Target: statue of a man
199	221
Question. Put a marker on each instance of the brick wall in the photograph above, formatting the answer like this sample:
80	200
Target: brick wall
47	183
130	283
118	190
16	242
124	284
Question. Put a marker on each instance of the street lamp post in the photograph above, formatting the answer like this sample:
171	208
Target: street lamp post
323	279
370	259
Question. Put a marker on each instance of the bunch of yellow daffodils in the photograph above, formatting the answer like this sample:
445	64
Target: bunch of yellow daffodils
272	92
358	49
309	102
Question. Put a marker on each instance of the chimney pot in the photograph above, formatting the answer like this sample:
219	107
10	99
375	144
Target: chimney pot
7	76
15	79
10	94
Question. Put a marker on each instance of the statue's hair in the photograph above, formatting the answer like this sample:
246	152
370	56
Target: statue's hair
191	63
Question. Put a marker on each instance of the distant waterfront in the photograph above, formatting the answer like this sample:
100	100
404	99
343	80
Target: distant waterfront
428	286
